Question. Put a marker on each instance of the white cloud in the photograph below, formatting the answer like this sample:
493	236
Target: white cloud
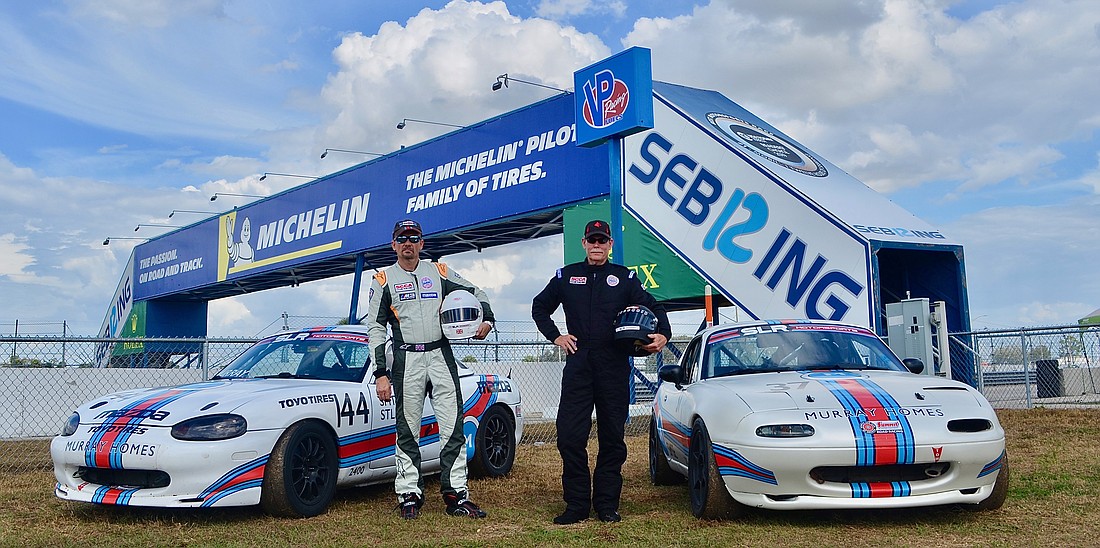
225	316
559	9
896	92
13	259
960	92
439	66
1091	178
144	13
1025	262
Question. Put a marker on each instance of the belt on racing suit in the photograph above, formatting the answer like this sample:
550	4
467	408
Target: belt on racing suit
422	347
593	343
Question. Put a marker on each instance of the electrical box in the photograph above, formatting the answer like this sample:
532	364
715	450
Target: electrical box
909	331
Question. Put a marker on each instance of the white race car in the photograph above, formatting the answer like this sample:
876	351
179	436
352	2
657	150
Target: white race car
284	425
815	415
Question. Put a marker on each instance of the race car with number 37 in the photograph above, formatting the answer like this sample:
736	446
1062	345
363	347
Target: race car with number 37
282	426
817	415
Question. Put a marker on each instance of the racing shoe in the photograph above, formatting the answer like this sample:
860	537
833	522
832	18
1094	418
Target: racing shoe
409	505
570	517
609	516
459	505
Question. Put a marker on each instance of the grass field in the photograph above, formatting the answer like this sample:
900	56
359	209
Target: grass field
1054	500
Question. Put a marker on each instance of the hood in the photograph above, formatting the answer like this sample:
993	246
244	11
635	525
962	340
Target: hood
166	406
820	390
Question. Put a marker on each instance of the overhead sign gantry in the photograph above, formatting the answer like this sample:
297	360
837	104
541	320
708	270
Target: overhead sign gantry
718	196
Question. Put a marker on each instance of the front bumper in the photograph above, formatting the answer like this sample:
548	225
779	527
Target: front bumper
196	473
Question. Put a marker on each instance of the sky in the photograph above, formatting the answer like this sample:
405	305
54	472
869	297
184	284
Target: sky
978	116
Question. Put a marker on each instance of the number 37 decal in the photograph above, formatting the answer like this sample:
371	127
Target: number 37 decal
786	386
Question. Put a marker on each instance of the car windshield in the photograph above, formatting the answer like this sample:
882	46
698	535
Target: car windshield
794	347
324	355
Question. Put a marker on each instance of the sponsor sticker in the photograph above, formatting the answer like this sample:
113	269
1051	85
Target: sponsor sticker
426	282
612	280
404	286
881	427
578	280
406	296
429	295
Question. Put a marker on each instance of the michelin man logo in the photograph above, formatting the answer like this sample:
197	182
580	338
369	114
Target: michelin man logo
240	252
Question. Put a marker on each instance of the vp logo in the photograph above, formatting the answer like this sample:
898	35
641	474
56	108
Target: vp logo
605	100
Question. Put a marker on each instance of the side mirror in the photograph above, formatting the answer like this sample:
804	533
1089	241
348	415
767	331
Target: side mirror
914	365
671	373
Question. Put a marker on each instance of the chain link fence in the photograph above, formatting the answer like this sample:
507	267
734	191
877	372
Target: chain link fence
43	378
1024	368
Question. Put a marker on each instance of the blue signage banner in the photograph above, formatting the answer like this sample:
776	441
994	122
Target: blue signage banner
614	97
521	162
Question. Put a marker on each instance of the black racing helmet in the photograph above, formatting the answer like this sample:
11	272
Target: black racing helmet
633	326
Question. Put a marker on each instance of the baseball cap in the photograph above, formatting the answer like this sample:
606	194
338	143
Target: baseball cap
408	225
597	228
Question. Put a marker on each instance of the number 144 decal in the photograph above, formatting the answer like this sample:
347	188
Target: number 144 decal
347	410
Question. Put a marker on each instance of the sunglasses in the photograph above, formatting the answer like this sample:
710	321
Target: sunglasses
597	240
403	239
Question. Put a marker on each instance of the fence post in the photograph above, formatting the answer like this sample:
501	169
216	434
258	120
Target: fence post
1025	354
206	359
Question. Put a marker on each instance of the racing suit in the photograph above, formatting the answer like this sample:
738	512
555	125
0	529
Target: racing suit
596	375
408	303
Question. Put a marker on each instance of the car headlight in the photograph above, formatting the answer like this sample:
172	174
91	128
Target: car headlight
210	427
785	431
71	424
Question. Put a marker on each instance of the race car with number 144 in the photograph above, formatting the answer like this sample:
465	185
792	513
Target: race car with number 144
283	426
805	414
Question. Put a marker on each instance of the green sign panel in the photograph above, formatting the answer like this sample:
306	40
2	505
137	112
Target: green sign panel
133	329
662	273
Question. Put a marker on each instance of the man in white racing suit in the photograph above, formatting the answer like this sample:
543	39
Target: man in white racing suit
406	298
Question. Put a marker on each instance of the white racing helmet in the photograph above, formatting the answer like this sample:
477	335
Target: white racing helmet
460	315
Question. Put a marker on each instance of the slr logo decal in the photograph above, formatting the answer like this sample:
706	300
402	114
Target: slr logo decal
762	142
605	100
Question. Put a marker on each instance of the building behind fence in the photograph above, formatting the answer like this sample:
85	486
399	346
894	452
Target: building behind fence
43	378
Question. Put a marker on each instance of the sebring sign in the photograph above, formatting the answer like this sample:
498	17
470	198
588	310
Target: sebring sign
759	241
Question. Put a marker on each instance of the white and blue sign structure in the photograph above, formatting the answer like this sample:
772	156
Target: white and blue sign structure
778	230
498	169
614	97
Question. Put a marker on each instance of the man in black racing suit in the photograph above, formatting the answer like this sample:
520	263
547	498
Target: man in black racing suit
597	371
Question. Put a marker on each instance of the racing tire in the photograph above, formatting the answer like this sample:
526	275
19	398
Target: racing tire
494	444
660	473
996	499
709	498
300	476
